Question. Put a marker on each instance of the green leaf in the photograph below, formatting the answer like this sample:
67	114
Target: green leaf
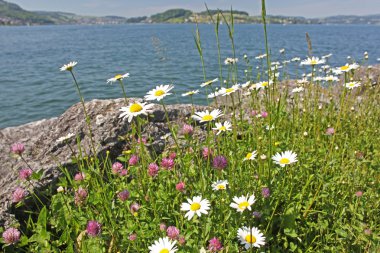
42	218
341	232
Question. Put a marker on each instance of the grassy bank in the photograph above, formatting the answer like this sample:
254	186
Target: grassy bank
275	168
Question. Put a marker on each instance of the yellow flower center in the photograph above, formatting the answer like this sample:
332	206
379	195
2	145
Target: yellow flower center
221	187
222	128
284	161
243	205
118	77
351	84
248	156
195	207
344	68
230	90
208	83
135	108
250	239
159	93
164	251
207	117
313	62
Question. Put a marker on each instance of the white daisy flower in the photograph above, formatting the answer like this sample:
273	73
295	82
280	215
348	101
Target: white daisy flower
285	158
312	61
163	245
331	78
64	138
302	81
219	185
325	67
296	59
262	85
69	66
159	92
223	91
195	206
209	82
242	203
348	67
282	50
117	78
214	94
250	237
207	116
230	61
262	56
327	56
351	85
190	93
250	156
297	90
135	109
226	126
246	84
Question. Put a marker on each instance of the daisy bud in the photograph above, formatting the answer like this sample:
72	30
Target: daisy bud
60	189
305	134
263	157
94	228
11	236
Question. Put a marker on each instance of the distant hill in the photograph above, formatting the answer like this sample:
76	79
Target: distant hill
12	14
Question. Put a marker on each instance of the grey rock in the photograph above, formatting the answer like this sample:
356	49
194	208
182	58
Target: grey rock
43	152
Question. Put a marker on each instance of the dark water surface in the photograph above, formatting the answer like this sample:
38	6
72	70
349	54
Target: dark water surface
32	87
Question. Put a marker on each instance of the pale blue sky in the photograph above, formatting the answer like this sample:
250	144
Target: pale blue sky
133	8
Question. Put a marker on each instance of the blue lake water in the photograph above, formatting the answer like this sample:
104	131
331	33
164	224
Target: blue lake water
33	88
